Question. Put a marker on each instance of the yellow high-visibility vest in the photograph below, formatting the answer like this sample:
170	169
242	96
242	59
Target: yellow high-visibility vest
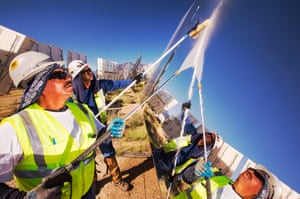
47	145
198	189
175	143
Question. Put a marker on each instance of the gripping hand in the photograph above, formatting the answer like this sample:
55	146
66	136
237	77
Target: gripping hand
40	192
182	141
187	105
204	169
138	78
117	127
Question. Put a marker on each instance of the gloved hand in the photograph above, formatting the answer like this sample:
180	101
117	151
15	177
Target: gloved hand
203	169
40	192
116	127
138	78
182	141
187	105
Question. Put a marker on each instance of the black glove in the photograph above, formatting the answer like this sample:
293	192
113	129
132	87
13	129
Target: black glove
11	193
187	105
138	78
40	192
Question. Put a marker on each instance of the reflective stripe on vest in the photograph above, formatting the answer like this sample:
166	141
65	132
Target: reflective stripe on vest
100	102
198	189
186	164
33	138
41	156
100	99
175	143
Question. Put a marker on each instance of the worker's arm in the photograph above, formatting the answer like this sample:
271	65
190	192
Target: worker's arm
112	85
39	192
7	192
9	157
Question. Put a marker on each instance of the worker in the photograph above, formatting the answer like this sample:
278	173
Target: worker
252	183
90	91
185	149
47	133
191	148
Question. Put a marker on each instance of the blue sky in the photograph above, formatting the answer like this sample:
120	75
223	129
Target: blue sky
251	71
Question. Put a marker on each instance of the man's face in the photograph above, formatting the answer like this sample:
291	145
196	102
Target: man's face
86	74
209	138
248	184
59	84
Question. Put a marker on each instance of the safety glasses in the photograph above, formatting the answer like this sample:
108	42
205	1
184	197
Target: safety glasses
86	71
257	174
58	75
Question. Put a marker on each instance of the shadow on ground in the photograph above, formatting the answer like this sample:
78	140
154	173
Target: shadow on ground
131	173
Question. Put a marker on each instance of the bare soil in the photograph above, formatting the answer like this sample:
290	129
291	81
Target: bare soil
139	172
137	168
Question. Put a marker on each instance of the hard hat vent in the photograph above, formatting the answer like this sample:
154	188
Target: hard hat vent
26	65
75	67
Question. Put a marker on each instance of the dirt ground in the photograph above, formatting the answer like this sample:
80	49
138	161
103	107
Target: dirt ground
137	168
140	172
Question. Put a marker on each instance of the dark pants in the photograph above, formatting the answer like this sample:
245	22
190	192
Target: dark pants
107	148
91	194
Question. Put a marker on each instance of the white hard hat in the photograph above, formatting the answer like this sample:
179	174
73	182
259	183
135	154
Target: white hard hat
272	187
26	65
75	67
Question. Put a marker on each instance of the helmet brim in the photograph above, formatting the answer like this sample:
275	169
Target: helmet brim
79	70
42	66
271	183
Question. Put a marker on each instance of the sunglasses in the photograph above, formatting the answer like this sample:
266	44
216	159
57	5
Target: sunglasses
86	71
257	175
58	75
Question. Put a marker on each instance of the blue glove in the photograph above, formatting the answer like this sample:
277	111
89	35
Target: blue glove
116	127
203	169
